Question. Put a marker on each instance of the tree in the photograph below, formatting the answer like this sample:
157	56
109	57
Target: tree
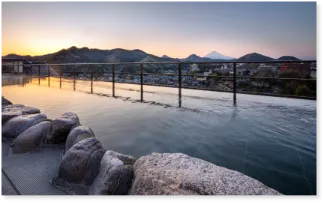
214	77
290	74
302	90
267	73
290	87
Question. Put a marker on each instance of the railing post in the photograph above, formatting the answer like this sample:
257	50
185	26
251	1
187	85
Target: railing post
61	78
49	76
91	79
74	78
180	83
0	74
234	83
39	66
113	80
141	82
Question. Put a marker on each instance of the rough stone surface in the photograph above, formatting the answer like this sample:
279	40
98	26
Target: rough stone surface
179	174
22	108
126	159
114	177
5	101
11	111
19	124
79	166
31	139
15	106
6	116
76	135
61	127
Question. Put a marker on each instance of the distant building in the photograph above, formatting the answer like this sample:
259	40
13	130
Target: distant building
260	84
246	72
170	72
12	65
224	68
313	66
302	68
194	67
313	73
208	73
201	78
272	67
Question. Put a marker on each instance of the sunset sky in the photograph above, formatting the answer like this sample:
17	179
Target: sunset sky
174	29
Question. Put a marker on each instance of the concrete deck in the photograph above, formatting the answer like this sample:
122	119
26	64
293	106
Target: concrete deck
30	173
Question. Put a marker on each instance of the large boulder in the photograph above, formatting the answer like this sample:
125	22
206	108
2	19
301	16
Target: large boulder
179	174
12	106
6	116
114	178
19	124
20	107
76	135
61	127
11	111
5	101
79	167
31	139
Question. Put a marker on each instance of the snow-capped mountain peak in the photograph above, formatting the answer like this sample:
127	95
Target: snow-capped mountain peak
216	55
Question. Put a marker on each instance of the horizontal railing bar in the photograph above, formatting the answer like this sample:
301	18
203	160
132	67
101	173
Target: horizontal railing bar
231	77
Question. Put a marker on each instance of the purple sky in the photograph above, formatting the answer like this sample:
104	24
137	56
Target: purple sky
174	29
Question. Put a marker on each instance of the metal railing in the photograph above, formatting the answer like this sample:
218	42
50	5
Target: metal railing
93	71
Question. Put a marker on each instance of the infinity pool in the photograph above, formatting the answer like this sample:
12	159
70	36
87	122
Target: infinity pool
268	138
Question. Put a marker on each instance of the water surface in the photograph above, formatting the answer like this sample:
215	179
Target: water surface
271	139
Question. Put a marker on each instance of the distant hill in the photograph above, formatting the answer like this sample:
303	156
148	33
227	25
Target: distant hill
216	55
254	57
16	56
74	55
165	56
87	55
195	58
288	58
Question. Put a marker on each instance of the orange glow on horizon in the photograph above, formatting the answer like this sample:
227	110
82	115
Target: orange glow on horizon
35	45
42	48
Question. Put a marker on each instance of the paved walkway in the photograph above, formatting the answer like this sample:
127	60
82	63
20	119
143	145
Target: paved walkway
30	173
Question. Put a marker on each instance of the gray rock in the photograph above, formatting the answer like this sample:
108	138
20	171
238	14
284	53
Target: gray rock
11	111
179	174
12	106
5	101
61	127
19	124
31	139
20	108
6	116
79	166
126	159
76	135
114	177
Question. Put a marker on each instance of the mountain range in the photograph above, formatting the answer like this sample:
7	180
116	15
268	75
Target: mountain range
82	55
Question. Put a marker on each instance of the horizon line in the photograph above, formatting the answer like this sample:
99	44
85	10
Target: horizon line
304	58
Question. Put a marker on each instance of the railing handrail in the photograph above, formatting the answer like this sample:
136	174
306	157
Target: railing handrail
192	75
